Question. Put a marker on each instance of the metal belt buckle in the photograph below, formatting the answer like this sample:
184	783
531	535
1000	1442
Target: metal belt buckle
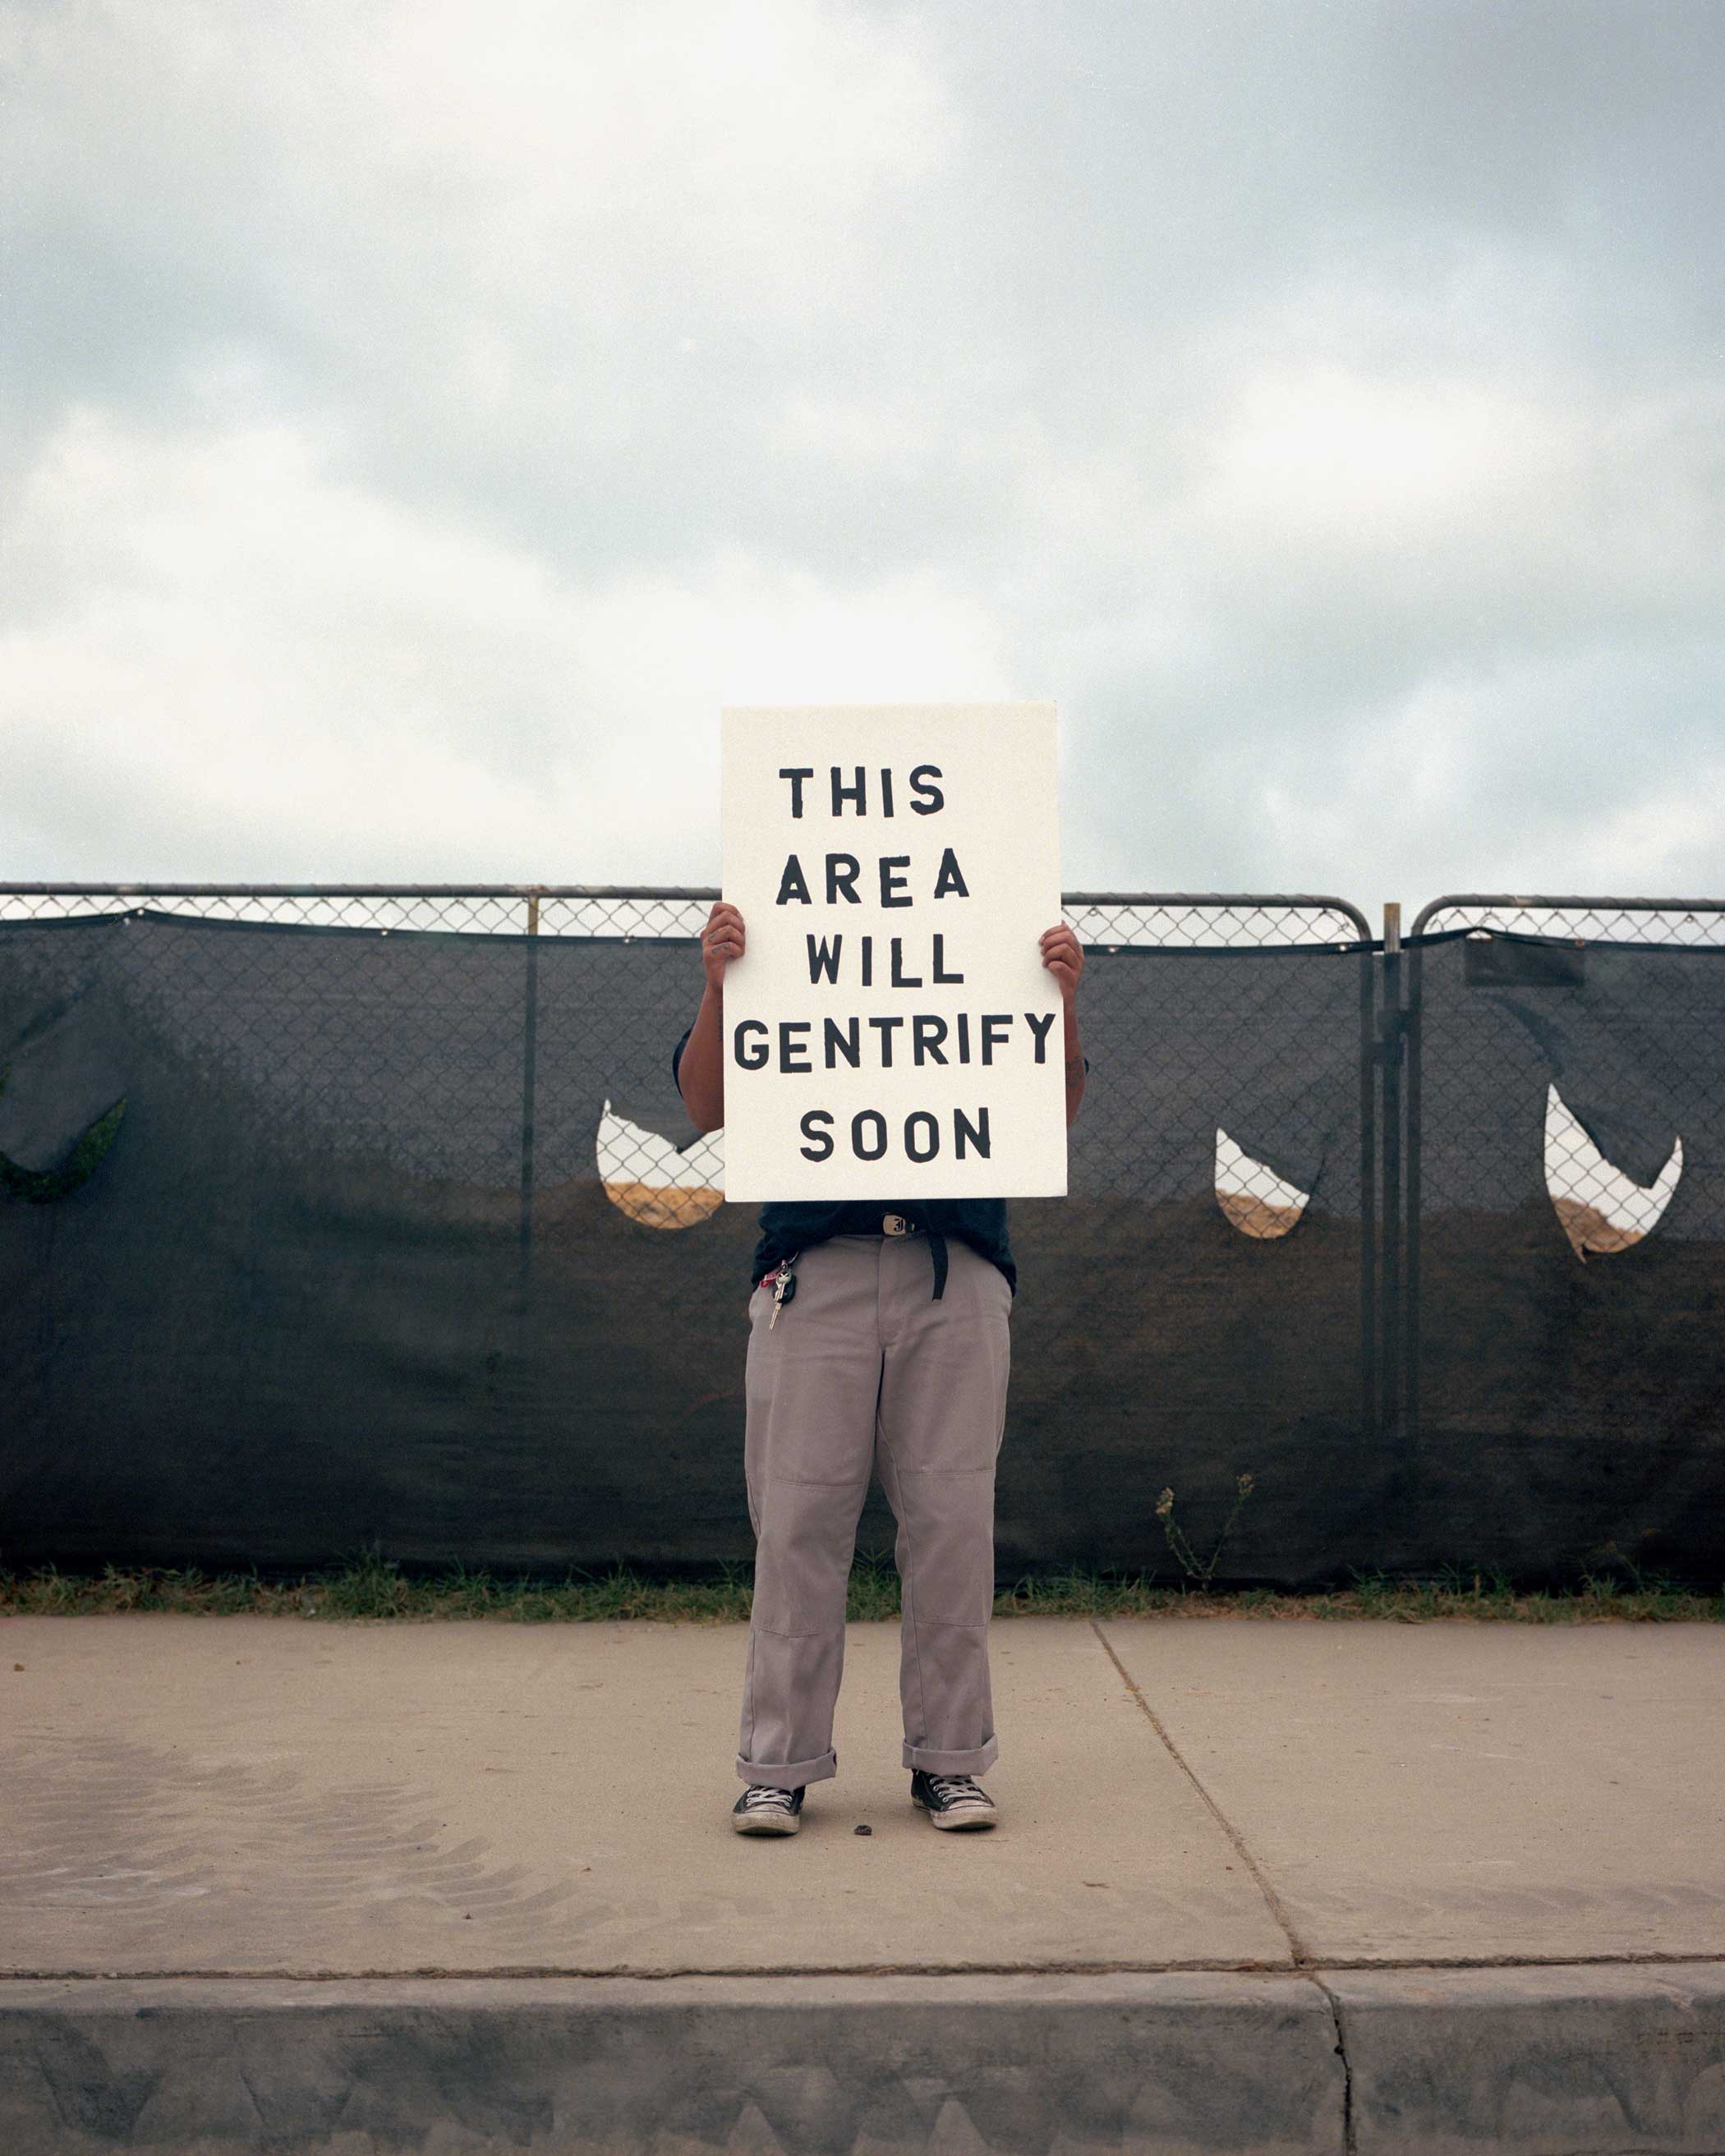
895	1223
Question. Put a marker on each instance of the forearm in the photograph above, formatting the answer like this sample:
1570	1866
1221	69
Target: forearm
1075	1064
701	1075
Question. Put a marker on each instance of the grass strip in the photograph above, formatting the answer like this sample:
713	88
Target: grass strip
370	1585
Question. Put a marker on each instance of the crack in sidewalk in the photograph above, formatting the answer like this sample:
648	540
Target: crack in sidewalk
1350	2134
1299	1952
1297	1948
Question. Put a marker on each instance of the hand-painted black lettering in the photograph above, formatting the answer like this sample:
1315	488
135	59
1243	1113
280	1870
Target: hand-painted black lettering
858	793
842	872
996	1025
817	1128
927	1032
976	1133
894	888
929	798
900	978
823	959
884	1027
1041	1023
964	1036
790	1048
755	1055
872	1147
844	1039
792	885
868	964
886	790
941	977
951	880
932	1144
796	777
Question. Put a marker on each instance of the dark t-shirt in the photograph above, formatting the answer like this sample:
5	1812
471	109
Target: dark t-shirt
786	1227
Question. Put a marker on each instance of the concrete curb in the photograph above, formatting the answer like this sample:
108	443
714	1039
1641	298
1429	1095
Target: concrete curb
616	2067
1585	2061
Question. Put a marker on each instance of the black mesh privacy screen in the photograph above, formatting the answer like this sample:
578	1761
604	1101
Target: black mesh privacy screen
348	1269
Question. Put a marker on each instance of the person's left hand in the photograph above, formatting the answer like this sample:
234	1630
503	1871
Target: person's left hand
1063	955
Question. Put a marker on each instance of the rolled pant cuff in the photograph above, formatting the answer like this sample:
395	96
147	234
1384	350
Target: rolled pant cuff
977	1761
792	1776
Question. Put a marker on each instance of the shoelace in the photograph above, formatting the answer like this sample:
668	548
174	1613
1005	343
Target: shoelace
762	1797
959	1785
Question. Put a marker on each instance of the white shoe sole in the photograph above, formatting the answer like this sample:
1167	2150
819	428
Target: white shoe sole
963	1822
743	1823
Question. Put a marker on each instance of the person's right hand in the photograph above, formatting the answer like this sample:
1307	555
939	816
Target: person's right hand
722	940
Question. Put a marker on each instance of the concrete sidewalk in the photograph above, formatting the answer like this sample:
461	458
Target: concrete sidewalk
270	1884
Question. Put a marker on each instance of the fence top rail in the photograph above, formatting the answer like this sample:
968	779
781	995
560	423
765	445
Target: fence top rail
1243	920
355	891
1497	904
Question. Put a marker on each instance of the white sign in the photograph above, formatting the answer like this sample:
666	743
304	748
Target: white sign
891	1031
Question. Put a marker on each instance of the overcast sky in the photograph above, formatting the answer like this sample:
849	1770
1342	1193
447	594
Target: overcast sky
419	417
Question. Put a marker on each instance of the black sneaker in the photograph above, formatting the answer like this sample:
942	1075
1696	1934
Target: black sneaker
763	1809
953	1800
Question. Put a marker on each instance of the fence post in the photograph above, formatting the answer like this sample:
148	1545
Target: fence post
1369	1210
1390	1021
1413	987
530	1029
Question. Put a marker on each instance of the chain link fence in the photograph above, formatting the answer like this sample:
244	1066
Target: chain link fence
1698	921
1560	1094
659	1183
407	1185
1601	1208
399	1240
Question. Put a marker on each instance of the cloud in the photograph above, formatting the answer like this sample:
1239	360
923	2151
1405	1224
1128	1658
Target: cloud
418	421
218	650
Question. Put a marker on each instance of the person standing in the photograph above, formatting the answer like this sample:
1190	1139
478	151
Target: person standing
878	1340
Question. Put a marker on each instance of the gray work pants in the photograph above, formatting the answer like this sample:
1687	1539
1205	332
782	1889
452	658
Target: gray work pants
866	1370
